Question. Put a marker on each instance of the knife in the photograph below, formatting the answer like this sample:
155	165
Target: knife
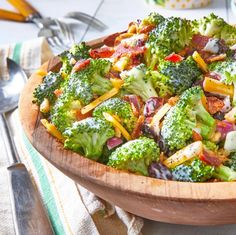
30	217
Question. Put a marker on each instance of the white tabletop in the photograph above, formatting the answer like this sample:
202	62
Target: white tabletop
116	14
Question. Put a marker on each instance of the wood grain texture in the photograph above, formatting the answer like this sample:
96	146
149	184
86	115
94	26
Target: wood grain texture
160	200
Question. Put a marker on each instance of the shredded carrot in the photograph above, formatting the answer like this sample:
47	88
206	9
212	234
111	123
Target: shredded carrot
52	130
117	83
58	92
41	72
115	123
217	87
199	60
99	100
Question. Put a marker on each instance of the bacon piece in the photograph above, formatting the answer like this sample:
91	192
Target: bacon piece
81	64
210	158
196	136
121	50
138	127
214	104
103	52
199	41
146	28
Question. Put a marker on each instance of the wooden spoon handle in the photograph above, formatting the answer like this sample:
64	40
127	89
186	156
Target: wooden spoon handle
9	15
23	7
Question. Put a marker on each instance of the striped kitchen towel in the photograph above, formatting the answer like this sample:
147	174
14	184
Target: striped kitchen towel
71	208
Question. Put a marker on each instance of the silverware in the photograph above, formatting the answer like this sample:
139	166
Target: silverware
87	19
30	217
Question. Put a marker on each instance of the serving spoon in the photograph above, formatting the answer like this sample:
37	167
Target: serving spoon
30	216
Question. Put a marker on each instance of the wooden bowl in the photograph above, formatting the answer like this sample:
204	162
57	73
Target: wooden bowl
160	200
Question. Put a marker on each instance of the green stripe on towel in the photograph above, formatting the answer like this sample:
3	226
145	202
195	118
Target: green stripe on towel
47	193
17	52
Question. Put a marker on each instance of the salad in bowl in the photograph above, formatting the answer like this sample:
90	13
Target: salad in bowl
156	100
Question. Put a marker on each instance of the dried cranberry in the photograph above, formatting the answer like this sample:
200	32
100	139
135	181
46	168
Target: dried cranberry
159	171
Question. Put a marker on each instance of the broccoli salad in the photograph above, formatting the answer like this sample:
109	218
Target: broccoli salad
157	100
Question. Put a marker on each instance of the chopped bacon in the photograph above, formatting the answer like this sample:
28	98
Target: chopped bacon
121	50
214	104
196	136
58	92
210	158
199	41
103	52
138	127
174	58
146	28
135	102
214	58
81	64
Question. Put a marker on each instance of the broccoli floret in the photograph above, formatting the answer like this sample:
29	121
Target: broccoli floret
136	82
95	75
194	171
225	173
227	71
98	69
63	113
88	137
135	155
77	52
120	108
171	35
231	162
152	19
76	93
188	114
174	78
210	145
160	83
80	51
46	89
214	26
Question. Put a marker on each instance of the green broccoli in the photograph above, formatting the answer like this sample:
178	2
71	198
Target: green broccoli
136	82
214	26
76	93
225	173
77	52
46	89
135	155
231	162
227	71
210	145
171	35
152	19
80	51
120	108
193	171
188	114
88	136
174	78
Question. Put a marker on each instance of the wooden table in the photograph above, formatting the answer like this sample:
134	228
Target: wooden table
116	14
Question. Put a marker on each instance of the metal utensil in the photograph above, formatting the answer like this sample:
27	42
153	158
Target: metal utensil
87	19
30	216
